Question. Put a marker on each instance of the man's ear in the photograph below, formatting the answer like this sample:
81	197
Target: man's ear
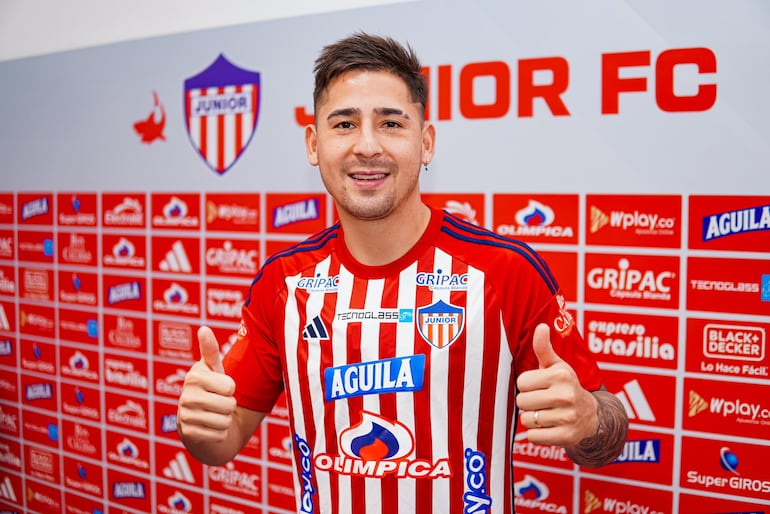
428	142
311	144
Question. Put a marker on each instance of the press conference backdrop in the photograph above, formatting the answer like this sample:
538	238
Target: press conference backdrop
143	183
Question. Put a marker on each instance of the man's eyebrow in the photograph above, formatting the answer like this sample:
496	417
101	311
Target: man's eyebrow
380	111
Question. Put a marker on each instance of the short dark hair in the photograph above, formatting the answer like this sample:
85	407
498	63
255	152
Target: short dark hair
366	52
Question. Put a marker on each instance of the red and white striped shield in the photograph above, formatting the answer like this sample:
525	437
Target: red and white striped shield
440	323
221	106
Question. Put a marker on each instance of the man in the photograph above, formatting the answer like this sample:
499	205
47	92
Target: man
404	337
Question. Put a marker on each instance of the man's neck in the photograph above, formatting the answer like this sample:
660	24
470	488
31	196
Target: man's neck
380	242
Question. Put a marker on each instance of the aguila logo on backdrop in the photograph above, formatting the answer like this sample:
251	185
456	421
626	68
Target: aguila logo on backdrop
221	107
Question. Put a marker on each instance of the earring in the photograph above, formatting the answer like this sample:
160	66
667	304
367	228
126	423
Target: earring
426	167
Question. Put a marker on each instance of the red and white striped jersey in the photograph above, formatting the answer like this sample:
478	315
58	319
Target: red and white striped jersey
400	379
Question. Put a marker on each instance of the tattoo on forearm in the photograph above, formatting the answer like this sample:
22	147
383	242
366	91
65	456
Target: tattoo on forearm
611	433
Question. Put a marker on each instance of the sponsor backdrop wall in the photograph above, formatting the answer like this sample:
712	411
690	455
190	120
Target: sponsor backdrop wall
143	183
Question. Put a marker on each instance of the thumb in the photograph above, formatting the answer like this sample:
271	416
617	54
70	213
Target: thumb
210	349
541	344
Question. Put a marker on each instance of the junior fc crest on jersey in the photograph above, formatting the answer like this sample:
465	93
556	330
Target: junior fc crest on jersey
440	323
221	106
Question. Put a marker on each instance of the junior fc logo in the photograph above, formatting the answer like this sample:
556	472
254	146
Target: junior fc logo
221	106
440	323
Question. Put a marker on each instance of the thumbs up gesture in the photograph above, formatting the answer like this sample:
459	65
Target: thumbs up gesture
554	406
207	404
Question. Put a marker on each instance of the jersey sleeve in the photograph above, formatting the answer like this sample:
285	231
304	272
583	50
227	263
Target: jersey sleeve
254	361
534	299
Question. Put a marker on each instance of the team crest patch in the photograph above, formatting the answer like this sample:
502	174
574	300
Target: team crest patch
221	106
440	323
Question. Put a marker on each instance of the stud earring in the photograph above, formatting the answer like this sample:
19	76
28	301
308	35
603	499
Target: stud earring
426	167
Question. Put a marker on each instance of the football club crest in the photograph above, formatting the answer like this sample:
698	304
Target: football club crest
440	323
221	106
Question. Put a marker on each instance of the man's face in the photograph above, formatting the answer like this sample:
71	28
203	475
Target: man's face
369	142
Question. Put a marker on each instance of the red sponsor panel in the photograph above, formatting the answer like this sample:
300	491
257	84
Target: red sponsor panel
734	348
35	209
8	281
127	412
253	447
13	496
9	420
544	454
35	246
38	356
83	476
635	339
466	206
7	245
82	439
224	301
178	211
537	491
42	497
37	320
634	220
79	364
729	223
728	285
38	392
125	332
81	401
279	489
126	251
6	208
224	506
76	209
230	212
122	292
237	478
711	505
174	499
272	247
279	443
74	503
632	280
130	490
648	399
295	213
176	255
280	409
79	326
77	249
40	428
128	450
537	218
42	463
126	372
8	351
232	257
10	454
564	266
78	288
176	340
175	463
597	496
646	456
9	388
719	407
36	284
176	297
124	210
726	467
169	378
165	420
7	317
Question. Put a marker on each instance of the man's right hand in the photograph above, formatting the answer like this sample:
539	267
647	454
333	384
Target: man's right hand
207	404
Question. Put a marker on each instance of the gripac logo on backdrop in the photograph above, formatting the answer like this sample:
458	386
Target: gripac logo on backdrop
671	68
221	106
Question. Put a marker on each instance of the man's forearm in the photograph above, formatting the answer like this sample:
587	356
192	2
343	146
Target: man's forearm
611	433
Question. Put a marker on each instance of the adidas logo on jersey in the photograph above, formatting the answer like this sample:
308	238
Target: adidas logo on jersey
315	330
